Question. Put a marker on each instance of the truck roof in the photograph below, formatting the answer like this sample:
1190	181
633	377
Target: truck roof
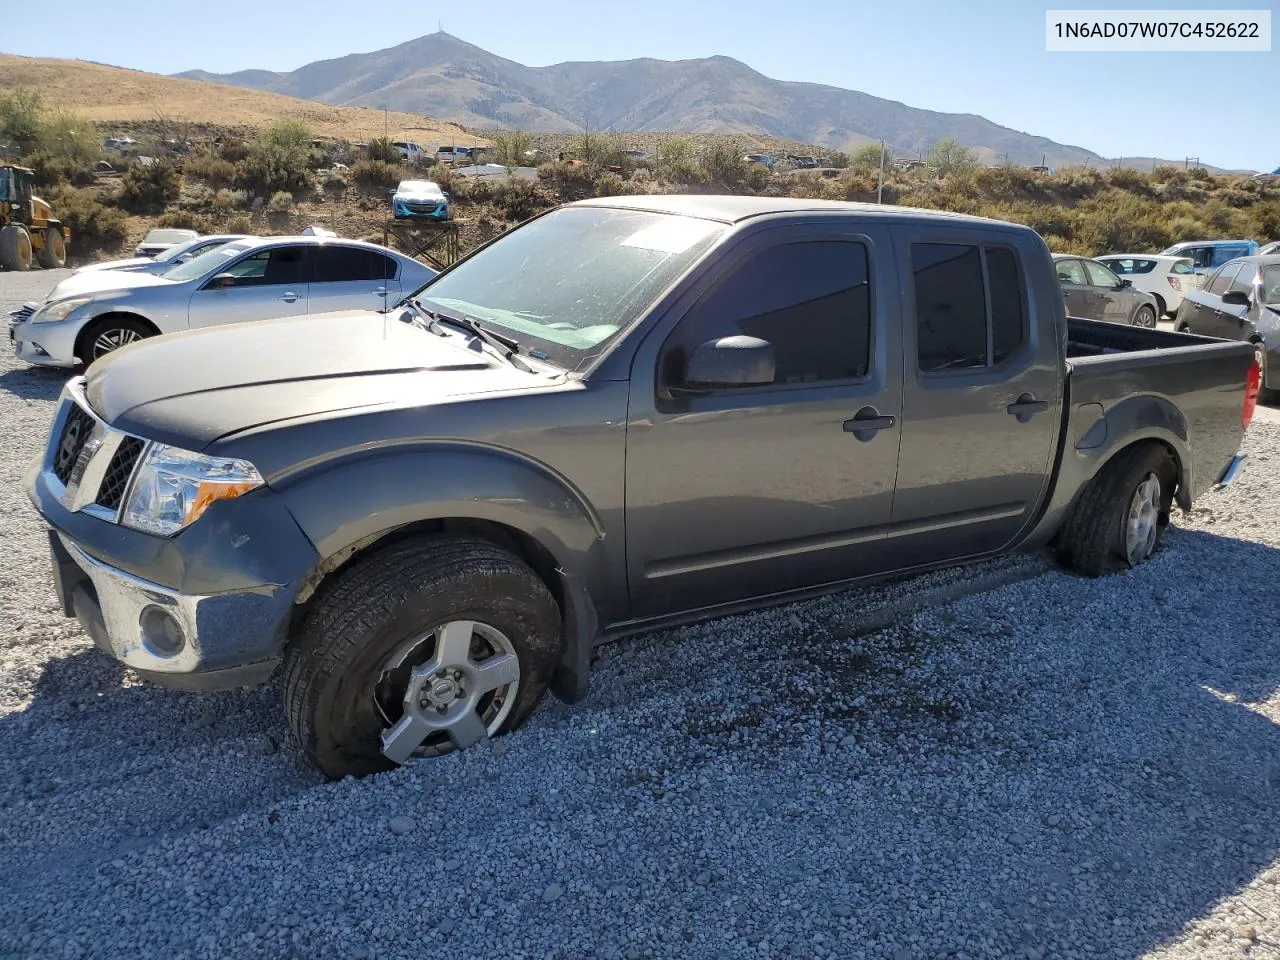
733	209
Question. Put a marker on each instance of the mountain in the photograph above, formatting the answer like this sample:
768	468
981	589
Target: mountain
445	77
126	100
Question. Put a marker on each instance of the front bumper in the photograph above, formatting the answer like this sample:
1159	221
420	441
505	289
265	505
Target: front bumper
409	210
45	344
228	581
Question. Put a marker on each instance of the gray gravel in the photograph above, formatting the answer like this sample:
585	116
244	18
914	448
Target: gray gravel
1055	768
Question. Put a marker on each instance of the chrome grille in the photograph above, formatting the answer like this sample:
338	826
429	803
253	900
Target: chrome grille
75	434
91	464
23	312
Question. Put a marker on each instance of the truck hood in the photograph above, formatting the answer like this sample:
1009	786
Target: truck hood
190	389
104	281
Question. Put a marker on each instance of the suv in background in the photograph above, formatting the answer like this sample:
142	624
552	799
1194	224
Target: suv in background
1209	255
1165	278
409	150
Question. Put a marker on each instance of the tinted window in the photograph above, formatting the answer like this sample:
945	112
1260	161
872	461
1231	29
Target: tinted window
279	265
1129	265
1181	267
1070	271
951	306
811	301
1244	279
1200	256
1223	254
1008	323
1218	282
335	264
1271	283
1100	276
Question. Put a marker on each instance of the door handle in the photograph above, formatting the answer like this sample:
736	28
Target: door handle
1026	407
288	296
380	292
867	422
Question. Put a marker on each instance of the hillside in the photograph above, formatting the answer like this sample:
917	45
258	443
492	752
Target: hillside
114	95
447	77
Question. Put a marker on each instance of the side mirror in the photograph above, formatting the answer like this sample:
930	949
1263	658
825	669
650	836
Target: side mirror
1236	298
1126	282
730	362
223	280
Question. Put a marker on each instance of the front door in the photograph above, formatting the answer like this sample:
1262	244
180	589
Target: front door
1113	299
1209	319
981	403
751	491
1076	294
1231	320
261	286
352	278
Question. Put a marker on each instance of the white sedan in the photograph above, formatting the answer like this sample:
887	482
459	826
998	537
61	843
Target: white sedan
1166	278
162	262
90	314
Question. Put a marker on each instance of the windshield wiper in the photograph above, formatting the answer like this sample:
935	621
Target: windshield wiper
505	347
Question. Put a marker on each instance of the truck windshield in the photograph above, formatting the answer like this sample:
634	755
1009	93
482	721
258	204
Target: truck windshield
564	285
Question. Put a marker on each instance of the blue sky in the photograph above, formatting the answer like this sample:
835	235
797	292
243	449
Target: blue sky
981	56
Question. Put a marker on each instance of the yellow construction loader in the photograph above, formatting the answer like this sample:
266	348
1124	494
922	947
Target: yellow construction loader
28	231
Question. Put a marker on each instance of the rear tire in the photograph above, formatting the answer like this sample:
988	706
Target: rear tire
1145	317
346	680
54	253
15	247
1119	519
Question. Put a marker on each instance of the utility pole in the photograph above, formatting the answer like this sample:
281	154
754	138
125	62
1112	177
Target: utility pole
880	185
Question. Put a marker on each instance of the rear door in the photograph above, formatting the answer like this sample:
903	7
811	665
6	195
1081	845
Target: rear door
1076	294
1114	301
981	401
1232	319
265	284
352	278
750	491
1209	319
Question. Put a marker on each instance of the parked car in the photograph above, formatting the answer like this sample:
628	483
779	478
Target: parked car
1268	249
1165	278
454	154
1208	255
759	160
625	412
419	199
88	315
1093	292
159	240
1266	176
119	144
179	253
804	163
1240	301
410	151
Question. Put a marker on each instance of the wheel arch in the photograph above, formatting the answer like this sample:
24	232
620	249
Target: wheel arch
82	337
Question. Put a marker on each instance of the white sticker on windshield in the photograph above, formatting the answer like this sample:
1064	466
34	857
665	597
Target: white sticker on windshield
672	235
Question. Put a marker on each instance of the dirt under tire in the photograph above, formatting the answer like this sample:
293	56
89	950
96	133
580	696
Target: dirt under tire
1101	527
54	252
340	692
15	247
110	333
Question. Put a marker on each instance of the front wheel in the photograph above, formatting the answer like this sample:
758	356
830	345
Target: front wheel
1145	317
427	646
54	252
1119	518
110	333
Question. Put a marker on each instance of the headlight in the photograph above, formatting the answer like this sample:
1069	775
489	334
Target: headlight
173	487
60	310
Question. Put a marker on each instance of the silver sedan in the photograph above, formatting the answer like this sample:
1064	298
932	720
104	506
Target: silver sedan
90	314
180	253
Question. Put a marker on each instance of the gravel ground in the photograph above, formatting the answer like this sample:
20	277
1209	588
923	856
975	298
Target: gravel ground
1055	768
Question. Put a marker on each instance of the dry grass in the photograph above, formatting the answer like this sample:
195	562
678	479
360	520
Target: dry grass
115	95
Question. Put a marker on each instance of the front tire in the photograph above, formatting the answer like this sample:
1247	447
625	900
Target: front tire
426	646
1145	317
54	253
108	334
15	247
1120	517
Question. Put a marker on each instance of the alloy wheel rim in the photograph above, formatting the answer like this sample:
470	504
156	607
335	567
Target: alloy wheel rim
1142	524
113	339
446	690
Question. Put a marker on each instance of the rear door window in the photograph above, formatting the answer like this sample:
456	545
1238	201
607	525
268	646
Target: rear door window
339	264
1182	267
970	306
1243	280
1070	271
1218	282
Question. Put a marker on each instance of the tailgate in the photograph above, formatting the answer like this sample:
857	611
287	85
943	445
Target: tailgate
1150	380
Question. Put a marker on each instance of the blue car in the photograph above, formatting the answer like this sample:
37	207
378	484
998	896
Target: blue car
1208	255
419	199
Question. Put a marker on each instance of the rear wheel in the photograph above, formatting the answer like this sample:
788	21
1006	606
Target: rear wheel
15	247
1145	317
1119	518
54	253
425	647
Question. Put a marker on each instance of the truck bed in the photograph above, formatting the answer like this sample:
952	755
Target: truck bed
1198	380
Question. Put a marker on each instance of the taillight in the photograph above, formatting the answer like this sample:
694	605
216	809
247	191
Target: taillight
1252	384
1175	283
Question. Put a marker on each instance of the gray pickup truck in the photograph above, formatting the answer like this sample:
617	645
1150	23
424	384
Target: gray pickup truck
624	413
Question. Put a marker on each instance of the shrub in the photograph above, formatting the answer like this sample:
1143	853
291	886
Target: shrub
94	225
268	169
209	167
233	151
571	181
149	189
288	136
948	157
675	162
517	199
50	170
70	136
373	174
1076	183
509	148
185	220
21	110
724	165
382	150
242	223
280	202
335	186
867	158
610	185
224	201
